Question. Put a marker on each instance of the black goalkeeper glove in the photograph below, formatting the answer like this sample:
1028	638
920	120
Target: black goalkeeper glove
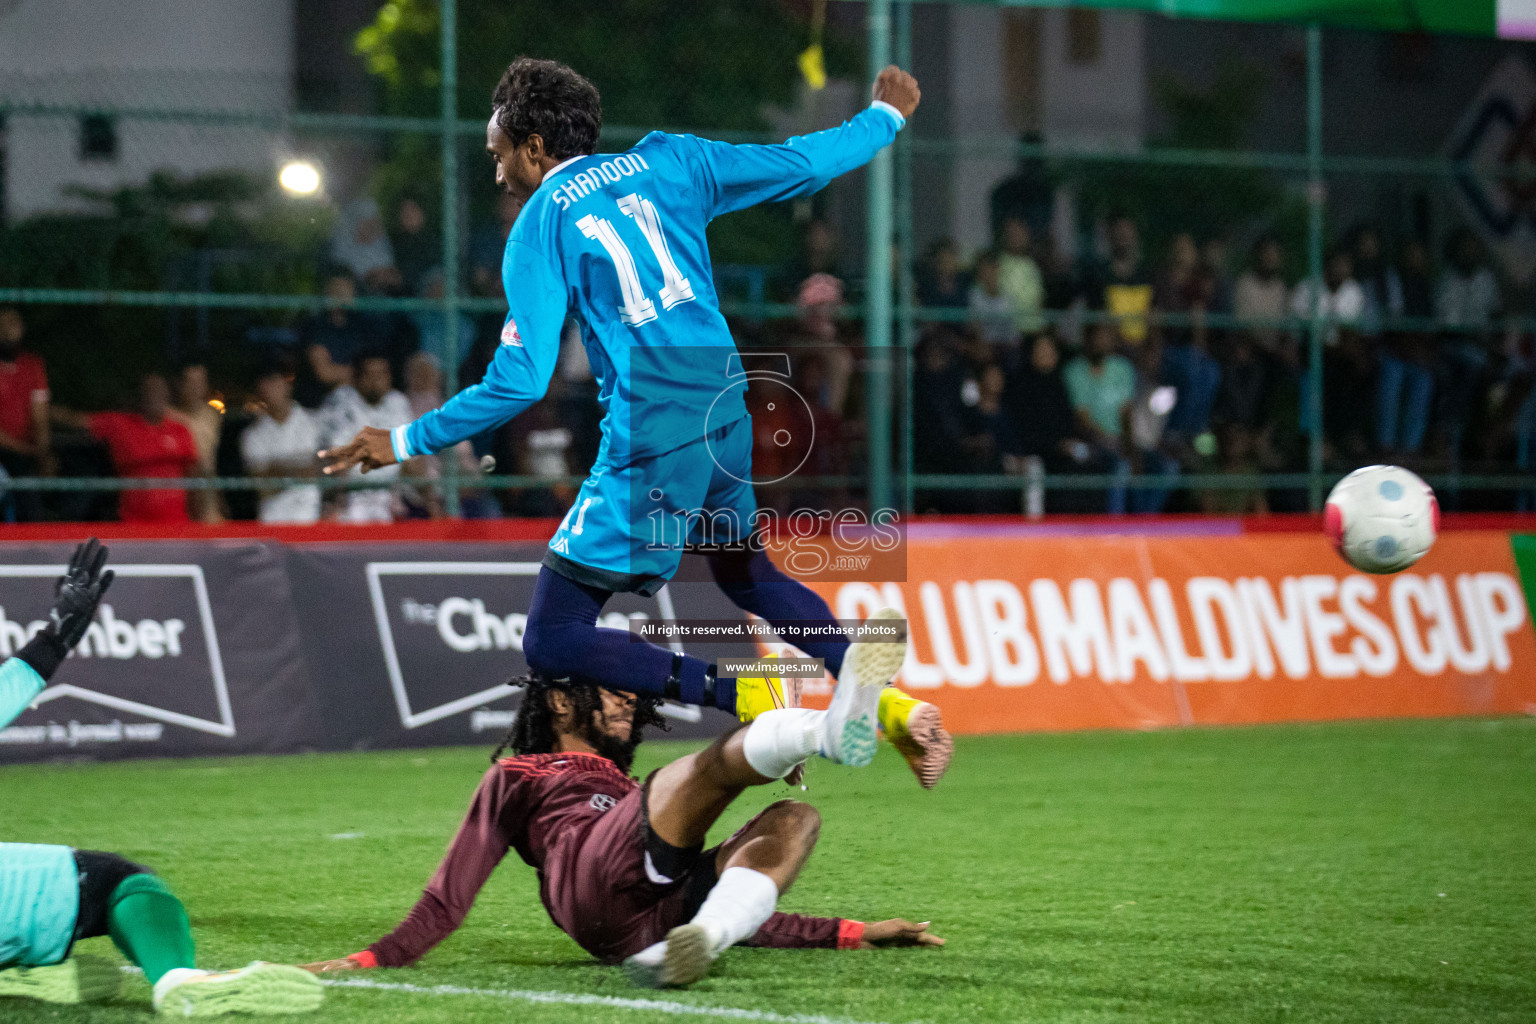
76	596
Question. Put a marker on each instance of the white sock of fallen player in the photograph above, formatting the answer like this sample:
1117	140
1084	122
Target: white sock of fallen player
777	741
741	901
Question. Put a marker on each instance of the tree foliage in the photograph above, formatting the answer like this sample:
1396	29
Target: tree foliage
658	63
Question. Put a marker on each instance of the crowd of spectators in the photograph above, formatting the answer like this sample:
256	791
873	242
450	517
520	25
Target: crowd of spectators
299	391
1178	366
1026	363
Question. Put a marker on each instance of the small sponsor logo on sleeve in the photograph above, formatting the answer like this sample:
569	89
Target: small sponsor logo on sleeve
509	335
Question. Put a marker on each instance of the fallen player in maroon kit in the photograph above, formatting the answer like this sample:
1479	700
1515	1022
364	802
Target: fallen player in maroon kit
622	868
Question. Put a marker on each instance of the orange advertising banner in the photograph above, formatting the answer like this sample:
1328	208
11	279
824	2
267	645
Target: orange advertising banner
1058	633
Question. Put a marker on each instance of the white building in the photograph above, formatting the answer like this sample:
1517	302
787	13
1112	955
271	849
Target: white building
198	55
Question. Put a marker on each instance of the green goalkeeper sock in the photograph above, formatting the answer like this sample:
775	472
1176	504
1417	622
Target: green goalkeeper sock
148	923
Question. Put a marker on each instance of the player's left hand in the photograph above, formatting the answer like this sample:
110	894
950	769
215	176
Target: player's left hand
78	592
346	963
370	449
897	932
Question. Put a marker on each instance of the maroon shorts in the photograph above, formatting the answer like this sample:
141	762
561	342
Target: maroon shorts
599	892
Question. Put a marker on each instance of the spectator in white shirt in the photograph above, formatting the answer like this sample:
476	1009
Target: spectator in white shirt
1340	300
1260	294
1467	295
991	309
370	401
1348	358
282	442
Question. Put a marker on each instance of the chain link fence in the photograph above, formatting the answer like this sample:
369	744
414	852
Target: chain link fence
145	227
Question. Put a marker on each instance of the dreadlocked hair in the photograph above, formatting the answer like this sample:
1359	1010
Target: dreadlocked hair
533	732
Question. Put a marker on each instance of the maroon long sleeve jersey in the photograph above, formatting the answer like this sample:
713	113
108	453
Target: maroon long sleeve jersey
544	806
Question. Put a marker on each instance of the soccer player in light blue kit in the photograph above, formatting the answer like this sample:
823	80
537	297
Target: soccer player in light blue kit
52	896
618	241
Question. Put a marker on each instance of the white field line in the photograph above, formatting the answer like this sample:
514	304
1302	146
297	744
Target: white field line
581	999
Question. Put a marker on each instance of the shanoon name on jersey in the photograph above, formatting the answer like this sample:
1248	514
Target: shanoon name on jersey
584	183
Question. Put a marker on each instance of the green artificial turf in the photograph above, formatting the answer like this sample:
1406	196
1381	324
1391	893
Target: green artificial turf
1343	872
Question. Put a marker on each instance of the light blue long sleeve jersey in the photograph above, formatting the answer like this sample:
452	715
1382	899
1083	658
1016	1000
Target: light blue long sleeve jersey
19	686
618	242
39	887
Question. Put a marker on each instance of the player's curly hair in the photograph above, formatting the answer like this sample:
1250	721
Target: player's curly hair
534	730
548	99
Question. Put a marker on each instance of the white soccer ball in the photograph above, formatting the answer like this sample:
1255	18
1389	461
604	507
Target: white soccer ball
1382	518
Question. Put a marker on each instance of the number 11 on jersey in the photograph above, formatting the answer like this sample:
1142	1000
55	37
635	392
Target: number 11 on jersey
637	307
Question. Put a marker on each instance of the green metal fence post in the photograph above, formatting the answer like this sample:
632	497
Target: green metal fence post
450	160
906	298
1316	197
877	318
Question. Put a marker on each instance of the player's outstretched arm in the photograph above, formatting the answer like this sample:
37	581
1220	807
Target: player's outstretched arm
797	931
476	849
518	376
735	177
76	596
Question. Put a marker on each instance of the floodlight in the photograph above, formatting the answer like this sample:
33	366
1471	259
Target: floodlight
300	177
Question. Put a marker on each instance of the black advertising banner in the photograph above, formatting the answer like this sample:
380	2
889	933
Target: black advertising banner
195	650
249	647
413	644
242	646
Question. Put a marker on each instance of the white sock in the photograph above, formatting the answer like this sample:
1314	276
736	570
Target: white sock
737	907
778	740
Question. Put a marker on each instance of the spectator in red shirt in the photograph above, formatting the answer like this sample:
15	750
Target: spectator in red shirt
25	447
148	443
